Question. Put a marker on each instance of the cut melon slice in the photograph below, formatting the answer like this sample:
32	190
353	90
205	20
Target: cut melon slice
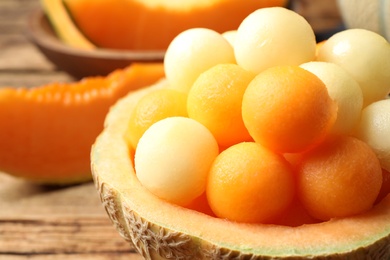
160	230
64	26
47	131
152	25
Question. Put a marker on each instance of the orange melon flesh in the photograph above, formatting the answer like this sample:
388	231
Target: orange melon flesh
135	24
47	132
143	219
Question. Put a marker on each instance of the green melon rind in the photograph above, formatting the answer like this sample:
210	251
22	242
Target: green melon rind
64	26
156	233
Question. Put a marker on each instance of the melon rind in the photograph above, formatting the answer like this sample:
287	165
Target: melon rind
64	25
160	230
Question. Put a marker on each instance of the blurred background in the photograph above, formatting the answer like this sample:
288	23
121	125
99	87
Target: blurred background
323	15
18	56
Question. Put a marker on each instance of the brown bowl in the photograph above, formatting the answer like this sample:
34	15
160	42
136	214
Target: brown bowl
82	63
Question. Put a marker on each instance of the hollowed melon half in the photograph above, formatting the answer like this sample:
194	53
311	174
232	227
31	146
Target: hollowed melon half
160	230
152	24
46	132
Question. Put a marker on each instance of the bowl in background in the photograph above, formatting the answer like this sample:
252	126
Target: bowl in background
82	63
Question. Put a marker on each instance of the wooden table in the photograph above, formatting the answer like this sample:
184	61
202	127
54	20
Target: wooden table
38	222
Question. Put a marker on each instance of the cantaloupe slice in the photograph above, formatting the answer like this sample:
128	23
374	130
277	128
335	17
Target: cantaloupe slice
136	24
160	230
64	26
47	132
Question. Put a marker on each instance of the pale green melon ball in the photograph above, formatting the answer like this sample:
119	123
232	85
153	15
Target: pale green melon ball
343	89
366	56
374	129
273	36
192	52
173	158
230	36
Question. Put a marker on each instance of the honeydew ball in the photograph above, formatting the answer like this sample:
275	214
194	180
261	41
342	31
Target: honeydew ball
230	36
343	89
173	158
366	56
374	129
273	36
192	52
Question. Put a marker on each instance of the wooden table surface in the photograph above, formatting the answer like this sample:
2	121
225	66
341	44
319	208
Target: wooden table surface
38	222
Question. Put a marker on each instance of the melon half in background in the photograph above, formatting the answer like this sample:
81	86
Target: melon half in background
372	15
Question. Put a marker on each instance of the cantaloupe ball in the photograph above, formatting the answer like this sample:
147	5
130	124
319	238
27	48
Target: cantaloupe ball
365	55
385	188
249	183
152	107
192	52
215	101
173	158
288	109
343	89
374	129
340	177
273	36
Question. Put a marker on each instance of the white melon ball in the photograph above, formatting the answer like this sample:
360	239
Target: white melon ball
230	36
273	36
374	129
366	56
343	89
173	158
192	52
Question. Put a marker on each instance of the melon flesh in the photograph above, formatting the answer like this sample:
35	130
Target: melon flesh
64	26
152	25
160	230
47	131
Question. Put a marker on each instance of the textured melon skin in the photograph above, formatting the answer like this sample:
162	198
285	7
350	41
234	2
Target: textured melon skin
159	230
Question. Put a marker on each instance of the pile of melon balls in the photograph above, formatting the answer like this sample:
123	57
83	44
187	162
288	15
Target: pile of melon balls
263	118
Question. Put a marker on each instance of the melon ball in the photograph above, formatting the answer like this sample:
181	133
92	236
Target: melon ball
192	52
366	56
343	89
374	129
273	36
173	158
230	36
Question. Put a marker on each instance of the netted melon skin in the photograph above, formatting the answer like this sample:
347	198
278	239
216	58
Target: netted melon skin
155	240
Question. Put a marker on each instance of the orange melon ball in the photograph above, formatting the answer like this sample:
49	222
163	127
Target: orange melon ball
343	89
385	188
201	204
339	178
215	101
273	36
173	158
295	215
365	55
154	106
249	183
288	109
318	47
192	52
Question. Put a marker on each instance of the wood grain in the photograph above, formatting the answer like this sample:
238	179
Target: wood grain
56	222
46	222
21	64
